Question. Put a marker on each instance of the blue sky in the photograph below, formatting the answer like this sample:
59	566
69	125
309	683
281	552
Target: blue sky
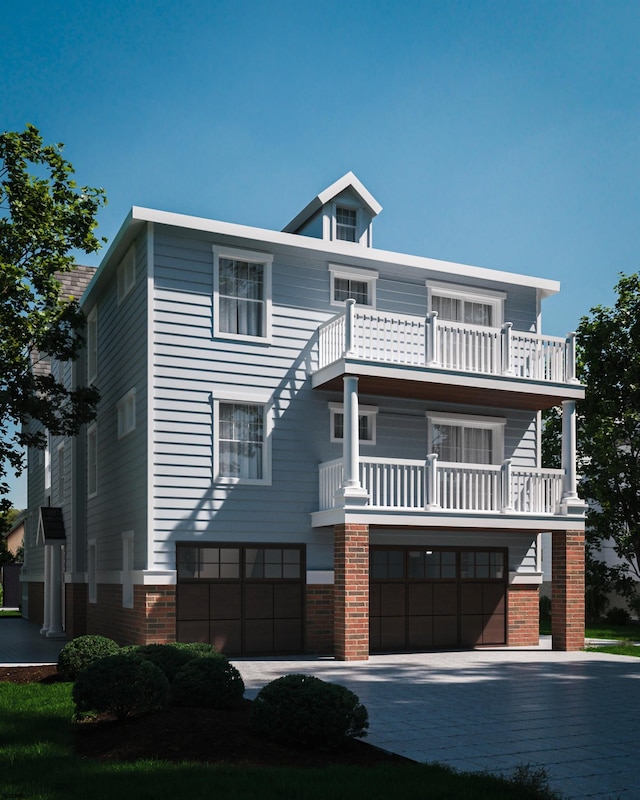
500	133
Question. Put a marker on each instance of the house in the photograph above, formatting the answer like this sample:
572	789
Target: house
306	444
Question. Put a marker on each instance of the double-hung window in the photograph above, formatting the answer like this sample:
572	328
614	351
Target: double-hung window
346	224
242	294
466	439
353	283
366	423
241	451
468	306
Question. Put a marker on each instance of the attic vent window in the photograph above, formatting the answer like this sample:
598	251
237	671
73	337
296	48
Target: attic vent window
346	219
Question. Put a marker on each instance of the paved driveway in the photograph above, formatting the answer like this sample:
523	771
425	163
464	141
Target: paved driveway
576	714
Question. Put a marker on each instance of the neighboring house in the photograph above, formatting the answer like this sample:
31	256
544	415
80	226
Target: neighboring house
15	535
305	444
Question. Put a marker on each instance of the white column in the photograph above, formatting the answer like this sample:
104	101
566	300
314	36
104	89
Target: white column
431	483
349	330
507	366
507	495
47	583
55	593
571	503
431	330
351	487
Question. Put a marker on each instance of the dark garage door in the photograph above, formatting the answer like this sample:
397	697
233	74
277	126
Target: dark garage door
244	599
436	598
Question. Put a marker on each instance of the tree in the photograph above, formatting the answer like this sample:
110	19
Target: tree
608	421
44	220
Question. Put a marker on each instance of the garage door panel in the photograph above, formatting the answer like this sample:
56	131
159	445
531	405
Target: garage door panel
494	629
258	601
375	641
493	599
192	631
374	600
287	635
258	636
287	599
445	598
471	629
226	635
392	601
392	633
470	598
445	631
420	599
420	632
192	601
225	600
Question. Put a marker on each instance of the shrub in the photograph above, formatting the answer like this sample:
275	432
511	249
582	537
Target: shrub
123	685
545	608
302	709
209	682
81	652
617	616
171	657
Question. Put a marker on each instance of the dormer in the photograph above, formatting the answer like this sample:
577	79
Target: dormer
343	212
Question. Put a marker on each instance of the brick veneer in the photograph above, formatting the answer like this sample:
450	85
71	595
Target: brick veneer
523	615
567	590
152	620
319	618
35	612
351	592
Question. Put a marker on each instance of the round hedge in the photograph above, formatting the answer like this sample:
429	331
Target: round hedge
123	685
79	653
207	682
304	710
170	658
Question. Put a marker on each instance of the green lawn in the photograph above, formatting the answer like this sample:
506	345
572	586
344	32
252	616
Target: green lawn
9	613
629	632
617	650
37	762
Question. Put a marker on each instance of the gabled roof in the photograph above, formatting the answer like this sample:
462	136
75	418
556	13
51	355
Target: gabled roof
50	525
348	181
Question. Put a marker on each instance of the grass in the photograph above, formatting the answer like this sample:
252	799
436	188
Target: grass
629	632
37	762
5	612
622	649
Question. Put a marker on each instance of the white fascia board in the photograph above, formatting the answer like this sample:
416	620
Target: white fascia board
366	255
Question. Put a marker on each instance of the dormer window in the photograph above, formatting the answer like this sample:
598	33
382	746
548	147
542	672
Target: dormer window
346	224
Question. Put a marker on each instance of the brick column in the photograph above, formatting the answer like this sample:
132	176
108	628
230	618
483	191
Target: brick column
523	615
567	590
351	592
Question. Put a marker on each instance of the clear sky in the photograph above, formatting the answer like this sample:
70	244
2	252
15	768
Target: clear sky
500	133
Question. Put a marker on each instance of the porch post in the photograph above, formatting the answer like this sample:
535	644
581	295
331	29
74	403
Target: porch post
351	492
431	345
571	503
350	308
54	590
351	592
507	494
432	495
567	590
505	336
570	358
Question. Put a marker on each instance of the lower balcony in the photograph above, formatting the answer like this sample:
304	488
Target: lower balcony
431	492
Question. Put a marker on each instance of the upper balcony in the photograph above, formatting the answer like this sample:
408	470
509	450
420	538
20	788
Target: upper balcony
430	356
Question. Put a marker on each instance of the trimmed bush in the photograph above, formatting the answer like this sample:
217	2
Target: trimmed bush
617	616
79	653
171	657
207	682
123	685
304	710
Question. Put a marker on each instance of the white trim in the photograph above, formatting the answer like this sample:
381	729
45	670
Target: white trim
92	431
363	411
250	397
127	569
126	274
524	578
151	394
320	577
368	276
126	413
495	424
251	257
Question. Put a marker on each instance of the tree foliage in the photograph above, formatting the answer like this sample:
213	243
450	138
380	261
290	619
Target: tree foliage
45	220
608	422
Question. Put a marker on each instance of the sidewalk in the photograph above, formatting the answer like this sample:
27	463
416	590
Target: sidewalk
22	645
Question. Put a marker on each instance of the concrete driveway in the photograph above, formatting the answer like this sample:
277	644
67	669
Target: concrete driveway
575	714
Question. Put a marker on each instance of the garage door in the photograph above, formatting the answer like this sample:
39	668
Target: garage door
243	599
436	598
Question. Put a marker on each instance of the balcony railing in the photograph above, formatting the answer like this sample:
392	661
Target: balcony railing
370	335
431	485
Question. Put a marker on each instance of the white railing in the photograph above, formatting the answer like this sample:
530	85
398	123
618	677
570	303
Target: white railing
430	485
428	342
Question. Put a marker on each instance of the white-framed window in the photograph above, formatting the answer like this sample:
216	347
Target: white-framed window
353	283
92	460
346	224
466	439
127	569
366	423
242	294
92	345
92	570
468	305
126	274
126	410
242	422
61	474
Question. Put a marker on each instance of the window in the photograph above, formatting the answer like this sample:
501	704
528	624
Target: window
270	563
366	423
470	306
241	448
346	224
92	460
481	564
61	475
432	564
466	440
92	345
92	570
353	283
127	569
208	563
126	275
126	409
242	295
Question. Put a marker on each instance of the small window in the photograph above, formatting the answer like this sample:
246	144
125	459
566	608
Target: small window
481	565
126	274
351	283
92	460
467	306
466	439
92	345
366	423
270	563
346	224
126	409
387	564
432	564
242	301
127	569
92	570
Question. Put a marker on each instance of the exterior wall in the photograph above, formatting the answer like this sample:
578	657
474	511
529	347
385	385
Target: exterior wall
523	615
319	619
152	620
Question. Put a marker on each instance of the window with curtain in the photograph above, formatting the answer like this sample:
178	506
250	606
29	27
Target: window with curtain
241	286
241	440
456	309
463	443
